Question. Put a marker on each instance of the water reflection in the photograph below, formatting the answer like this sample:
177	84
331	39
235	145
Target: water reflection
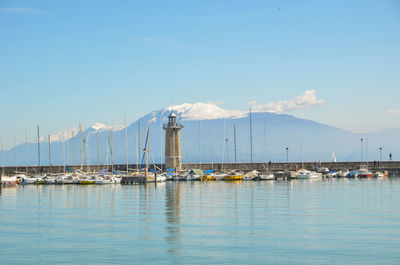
173	194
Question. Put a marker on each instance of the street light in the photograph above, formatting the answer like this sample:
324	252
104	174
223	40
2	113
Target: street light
362	139
287	154
227	149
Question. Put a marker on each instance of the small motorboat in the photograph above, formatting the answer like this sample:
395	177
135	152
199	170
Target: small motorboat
380	175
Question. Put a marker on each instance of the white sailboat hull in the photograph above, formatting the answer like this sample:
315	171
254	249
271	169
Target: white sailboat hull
308	175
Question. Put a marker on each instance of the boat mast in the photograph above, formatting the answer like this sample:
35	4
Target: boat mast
366	147
161	142
15	152
80	143
223	148
112	152
2	157
64	155
302	158
73	148
138	146
137	153
26	151
38	142
87	150
63	150
67	153
251	139
234	140
200	143
126	145
211	150
265	143
49	143
107	146
148	149
98	149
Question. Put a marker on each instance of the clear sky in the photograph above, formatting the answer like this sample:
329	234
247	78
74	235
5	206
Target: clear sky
65	62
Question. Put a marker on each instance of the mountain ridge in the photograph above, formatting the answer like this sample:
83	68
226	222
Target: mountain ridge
306	139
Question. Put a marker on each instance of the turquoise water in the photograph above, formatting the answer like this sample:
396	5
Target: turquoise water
271	222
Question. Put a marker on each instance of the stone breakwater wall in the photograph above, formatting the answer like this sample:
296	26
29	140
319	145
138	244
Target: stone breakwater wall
393	167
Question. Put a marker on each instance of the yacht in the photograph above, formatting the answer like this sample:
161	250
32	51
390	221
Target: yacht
361	172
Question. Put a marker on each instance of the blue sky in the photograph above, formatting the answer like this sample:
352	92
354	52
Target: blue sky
65	62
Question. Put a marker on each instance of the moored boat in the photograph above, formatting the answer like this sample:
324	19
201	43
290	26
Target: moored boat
8	181
233	177
306	174
267	176
194	174
343	173
361	172
380	174
252	175
208	177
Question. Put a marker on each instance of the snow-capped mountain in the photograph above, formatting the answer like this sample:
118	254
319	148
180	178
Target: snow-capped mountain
208	135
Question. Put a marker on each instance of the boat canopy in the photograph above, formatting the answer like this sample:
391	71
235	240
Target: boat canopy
196	172
209	171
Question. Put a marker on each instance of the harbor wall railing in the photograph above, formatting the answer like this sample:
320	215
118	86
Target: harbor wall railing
393	167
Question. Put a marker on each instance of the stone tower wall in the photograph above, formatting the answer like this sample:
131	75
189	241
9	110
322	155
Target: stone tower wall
173	157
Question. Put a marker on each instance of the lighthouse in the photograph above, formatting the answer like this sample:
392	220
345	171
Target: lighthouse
173	157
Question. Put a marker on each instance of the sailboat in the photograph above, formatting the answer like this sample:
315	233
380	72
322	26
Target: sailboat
268	175
304	173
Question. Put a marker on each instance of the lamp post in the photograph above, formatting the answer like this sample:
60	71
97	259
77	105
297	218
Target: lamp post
227	149
287	154
380	154
362	139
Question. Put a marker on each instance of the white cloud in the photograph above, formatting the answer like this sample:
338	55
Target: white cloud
23	10
306	100
392	112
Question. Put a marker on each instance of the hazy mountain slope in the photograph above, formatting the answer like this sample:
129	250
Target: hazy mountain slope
306	139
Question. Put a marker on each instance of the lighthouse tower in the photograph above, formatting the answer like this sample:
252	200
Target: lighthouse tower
173	158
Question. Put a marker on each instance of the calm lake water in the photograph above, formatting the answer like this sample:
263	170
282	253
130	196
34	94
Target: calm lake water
271	222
